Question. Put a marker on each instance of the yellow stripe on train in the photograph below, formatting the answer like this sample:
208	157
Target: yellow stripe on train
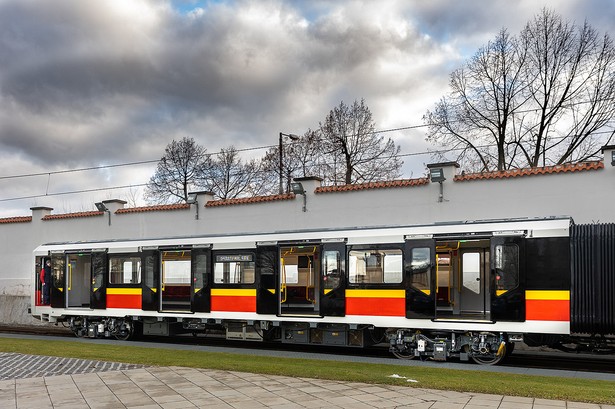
547	295
376	293
124	291
234	292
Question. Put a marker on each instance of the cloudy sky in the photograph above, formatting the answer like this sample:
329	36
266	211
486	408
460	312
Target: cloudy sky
87	84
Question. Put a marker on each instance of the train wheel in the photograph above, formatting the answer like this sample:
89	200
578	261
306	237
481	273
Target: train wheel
127	331
486	351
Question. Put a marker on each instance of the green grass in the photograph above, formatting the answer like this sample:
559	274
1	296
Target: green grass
582	390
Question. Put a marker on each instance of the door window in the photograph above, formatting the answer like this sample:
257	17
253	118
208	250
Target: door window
420	268
506	267
331	261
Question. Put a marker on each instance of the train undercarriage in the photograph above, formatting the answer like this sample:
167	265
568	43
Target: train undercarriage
484	348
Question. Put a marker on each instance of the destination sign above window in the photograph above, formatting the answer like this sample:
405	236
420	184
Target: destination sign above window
225	258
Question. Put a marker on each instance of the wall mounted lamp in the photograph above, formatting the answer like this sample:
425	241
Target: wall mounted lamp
297	188
192	200
437	175
102	208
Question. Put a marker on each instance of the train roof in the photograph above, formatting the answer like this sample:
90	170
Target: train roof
557	226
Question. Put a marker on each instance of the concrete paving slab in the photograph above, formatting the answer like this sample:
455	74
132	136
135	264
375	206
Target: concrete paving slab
92	385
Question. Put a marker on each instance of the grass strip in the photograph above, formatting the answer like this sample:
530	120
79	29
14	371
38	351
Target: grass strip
581	390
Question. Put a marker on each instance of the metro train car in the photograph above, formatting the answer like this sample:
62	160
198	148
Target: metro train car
466	290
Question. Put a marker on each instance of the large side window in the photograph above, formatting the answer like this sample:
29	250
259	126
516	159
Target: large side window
234	269
375	266
420	268
506	267
124	270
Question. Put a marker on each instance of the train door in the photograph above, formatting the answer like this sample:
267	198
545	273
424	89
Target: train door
299	287
462	276
420	278
175	280
58	280
333	279
474	284
150	300
267	267
508	278
201	280
98	295
78	280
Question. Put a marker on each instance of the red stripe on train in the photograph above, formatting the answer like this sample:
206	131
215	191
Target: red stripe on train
547	310
132	301
392	307
233	303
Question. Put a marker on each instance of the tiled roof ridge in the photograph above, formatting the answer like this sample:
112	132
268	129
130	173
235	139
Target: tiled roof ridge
72	215
546	170
16	219
249	200
154	208
373	185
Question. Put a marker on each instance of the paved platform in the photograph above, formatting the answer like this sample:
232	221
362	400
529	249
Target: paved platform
177	387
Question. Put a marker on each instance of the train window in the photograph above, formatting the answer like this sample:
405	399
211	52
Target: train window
176	267
234	269
506	266
331	266
124	270
375	266
420	268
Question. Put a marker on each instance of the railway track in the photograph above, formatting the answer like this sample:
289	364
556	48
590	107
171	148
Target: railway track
521	358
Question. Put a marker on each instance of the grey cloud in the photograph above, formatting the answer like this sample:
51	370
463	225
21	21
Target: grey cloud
83	83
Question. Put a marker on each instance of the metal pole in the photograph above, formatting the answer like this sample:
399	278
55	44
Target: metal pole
281	191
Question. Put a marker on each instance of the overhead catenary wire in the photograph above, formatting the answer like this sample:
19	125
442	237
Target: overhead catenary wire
146	162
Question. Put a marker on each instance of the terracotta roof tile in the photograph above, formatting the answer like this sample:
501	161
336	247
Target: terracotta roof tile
249	200
17	219
574	167
373	185
72	215
156	208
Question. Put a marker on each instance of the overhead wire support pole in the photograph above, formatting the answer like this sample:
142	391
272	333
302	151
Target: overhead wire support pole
293	137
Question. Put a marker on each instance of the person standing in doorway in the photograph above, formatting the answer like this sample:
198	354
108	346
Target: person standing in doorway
46	281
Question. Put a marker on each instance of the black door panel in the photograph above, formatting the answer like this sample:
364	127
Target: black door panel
420	278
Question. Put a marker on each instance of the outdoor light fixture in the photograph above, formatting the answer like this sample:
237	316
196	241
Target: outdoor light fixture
437	175
102	208
297	188
613	158
293	137
192	200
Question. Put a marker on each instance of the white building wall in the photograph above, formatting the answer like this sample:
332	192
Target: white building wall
587	196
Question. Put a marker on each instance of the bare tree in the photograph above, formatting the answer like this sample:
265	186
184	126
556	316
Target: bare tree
229	177
352	148
572	92
537	99
478	116
179	171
